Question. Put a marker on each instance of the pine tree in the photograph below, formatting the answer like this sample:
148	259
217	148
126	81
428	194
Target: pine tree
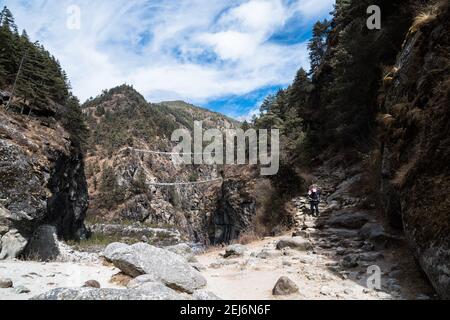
318	44
299	91
74	122
7	20
9	41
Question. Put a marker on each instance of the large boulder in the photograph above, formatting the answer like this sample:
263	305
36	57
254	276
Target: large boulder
43	245
168	267
284	287
92	294
5	283
344	192
111	249
12	244
349	219
235	250
182	249
205	295
376	234
296	243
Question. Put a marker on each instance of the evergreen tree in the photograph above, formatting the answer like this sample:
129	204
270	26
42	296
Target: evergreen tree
74	122
7	20
299	91
318	44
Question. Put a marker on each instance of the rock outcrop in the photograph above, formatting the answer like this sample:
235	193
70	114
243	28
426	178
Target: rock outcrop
235	210
416	145
42	181
166	267
284	287
92	294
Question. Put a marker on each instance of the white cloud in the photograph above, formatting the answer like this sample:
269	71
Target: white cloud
188	49
249	115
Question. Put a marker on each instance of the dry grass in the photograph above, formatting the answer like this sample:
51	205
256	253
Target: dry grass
402	172
414	117
370	182
389	75
386	120
422	20
400	109
426	15
247	238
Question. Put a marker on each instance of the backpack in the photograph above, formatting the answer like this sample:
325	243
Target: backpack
315	196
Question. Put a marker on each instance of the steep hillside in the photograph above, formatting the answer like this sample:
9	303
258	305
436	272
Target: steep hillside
415	150
379	101
125	184
42	132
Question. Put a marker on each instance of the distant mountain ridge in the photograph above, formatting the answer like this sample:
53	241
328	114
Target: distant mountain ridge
121	182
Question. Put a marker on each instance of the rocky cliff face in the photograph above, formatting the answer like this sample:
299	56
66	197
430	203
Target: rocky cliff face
236	207
42	181
416	144
124	184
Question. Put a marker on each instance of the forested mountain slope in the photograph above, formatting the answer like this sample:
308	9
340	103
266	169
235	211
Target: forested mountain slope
125	184
42	135
379	99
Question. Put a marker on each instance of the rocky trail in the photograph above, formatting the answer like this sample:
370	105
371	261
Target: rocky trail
333	256
338	255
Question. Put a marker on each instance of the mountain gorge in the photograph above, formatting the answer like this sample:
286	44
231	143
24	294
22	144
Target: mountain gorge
379	100
132	178
368	124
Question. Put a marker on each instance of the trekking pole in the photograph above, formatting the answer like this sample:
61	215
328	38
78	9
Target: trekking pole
15	82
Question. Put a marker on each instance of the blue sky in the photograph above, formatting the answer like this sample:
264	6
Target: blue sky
223	55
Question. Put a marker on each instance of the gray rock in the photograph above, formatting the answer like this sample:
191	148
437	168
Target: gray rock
372	231
5	283
113	247
269	254
371	256
92	284
349	219
168	267
235	250
22	290
91	294
43	245
342	232
139	281
302	233
12	244
183	250
205	295
334	206
376	233
344	192
155	286
296	243
284	287
350	261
